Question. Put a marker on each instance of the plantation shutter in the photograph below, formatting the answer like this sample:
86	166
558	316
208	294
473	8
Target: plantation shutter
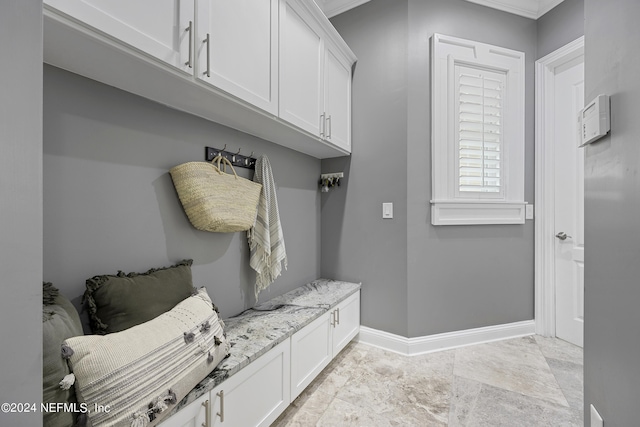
480	95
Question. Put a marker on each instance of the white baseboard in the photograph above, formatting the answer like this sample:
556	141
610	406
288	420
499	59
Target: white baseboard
445	341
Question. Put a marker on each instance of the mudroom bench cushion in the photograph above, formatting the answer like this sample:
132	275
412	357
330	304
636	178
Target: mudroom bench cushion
256	331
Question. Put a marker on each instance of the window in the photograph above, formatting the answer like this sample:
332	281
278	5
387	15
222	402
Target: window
477	134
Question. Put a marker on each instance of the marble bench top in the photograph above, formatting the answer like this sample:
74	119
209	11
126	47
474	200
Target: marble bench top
257	330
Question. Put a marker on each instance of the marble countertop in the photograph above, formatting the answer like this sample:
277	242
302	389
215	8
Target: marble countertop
259	329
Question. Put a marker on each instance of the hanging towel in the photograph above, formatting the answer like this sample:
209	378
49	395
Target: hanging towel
268	254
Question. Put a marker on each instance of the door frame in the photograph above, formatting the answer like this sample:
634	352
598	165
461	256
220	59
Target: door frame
544	268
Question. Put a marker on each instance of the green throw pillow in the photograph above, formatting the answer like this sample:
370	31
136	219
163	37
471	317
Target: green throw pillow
116	303
60	321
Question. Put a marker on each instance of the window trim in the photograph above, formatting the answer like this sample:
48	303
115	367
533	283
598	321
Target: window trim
447	206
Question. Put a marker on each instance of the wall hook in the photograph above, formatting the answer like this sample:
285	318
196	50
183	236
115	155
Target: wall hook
247	160
237	159
330	180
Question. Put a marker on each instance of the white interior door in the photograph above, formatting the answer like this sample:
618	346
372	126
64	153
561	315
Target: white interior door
569	202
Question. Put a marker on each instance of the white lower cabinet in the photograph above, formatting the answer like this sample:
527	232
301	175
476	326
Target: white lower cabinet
261	391
311	352
347	322
192	415
256	395
313	347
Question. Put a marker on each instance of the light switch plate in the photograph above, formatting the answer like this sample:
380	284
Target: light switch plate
387	210
528	212
596	419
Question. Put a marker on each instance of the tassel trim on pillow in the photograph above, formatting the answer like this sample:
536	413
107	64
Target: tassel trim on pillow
67	381
158	405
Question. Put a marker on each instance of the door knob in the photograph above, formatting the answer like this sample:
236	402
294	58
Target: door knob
562	235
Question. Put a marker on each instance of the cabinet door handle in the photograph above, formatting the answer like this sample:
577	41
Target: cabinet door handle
208	42
322	125
329	126
207	414
221	413
338	316
332	322
189	63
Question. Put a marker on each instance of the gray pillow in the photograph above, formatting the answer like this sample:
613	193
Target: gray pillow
60	321
118	302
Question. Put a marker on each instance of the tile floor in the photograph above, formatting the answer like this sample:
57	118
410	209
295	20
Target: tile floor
529	381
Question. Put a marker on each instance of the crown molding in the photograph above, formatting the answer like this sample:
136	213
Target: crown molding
532	9
332	8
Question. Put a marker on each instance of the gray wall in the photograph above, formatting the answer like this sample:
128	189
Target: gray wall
444	278
612	209
109	202
21	208
561	25
357	244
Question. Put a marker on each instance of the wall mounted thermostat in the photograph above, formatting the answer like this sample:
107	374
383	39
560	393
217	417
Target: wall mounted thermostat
594	120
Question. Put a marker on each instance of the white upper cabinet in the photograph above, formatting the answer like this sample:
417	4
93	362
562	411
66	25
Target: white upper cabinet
159	28
337	99
301	60
315	76
275	69
237	49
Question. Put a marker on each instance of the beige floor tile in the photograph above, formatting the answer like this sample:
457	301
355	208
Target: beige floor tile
515	365
558	349
530	381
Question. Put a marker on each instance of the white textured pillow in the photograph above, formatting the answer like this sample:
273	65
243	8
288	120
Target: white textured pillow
140	373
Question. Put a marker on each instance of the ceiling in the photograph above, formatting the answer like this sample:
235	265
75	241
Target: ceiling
532	9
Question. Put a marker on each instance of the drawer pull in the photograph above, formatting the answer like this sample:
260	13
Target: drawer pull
221	413
189	63
323	125
208	42
207	414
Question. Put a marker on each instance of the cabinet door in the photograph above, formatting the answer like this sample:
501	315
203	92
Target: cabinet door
159	28
347	322
256	395
301	53
193	415
311	352
337	100
241	55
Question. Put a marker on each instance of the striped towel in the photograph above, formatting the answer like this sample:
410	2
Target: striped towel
268	254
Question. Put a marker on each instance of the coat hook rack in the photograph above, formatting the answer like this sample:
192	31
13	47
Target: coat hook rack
330	180
236	159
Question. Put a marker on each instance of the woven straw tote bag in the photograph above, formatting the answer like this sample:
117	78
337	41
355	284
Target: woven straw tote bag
215	200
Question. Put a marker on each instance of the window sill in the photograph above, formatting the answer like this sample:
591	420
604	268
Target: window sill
471	212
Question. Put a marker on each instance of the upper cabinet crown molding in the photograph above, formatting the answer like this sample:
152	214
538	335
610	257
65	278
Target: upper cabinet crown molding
215	59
